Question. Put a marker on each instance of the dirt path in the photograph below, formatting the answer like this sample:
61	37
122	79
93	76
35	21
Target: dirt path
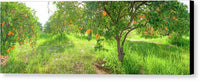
99	71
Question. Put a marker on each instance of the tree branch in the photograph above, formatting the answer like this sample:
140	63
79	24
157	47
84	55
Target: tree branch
132	15
131	20
109	15
127	35
129	32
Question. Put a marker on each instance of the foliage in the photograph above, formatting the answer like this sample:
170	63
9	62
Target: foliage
18	24
151	19
68	14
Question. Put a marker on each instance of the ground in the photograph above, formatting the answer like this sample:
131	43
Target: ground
73	53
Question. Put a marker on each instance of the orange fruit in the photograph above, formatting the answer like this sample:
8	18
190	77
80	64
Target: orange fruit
97	36
152	28
11	11
12	47
70	21
30	44
89	31
3	23
104	13
26	41
8	51
12	33
32	27
174	17
169	36
172	11
13	28
135	22
65	21
1	56
81	28
166	28
63	2
80	7
9	33
25	15
34	50
18	37
143	16
20	43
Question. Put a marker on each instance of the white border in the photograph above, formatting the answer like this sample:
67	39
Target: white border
95	77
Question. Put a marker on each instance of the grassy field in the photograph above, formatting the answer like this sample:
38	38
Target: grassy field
74	54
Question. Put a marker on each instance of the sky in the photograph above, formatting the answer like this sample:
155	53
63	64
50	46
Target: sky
42	9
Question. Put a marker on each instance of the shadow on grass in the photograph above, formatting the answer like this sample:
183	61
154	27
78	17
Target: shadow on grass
181	42
158	50
55	44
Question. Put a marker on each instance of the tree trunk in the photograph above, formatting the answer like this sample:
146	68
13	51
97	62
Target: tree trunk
119	49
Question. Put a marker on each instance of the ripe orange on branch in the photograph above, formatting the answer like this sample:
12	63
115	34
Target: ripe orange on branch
12	47
9	33
11	11
1	56
34	50
174	17
3	23
25	15
135	22
170	36
17	37
104	13
12	33
97	36
172	11
21	43
152	28
32	27
89	31
166	28
8	51
70	21
143	16
63	2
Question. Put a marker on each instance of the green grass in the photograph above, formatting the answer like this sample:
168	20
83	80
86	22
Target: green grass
73	53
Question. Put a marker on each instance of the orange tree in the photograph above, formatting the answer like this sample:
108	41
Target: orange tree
18	25
116	19
68	17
